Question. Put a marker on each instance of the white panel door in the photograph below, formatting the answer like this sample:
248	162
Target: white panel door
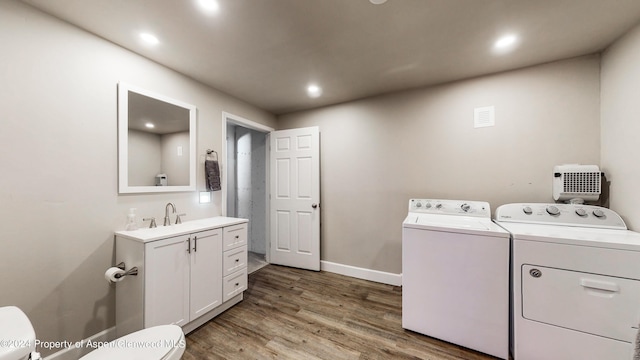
295	198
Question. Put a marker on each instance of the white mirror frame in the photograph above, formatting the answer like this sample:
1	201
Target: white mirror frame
123	141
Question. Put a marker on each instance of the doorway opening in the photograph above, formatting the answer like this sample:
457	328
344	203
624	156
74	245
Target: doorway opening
247	183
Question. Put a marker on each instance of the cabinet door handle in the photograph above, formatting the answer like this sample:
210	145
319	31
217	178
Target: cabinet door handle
195	244
189	245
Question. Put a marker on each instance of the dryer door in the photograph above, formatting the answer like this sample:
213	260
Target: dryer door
595	304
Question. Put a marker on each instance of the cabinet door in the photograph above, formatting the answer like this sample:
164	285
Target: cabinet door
206	271
167	282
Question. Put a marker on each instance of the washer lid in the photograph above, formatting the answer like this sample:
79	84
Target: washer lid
456	224
16	327
153	343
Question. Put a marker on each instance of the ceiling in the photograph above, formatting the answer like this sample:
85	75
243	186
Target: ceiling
266	52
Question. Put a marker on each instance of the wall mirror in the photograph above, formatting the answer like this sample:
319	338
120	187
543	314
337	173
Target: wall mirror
156	142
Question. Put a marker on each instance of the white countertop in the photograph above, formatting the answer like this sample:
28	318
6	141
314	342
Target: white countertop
162	232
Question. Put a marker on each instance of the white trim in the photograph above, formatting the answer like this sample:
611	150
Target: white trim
74	352
245	122
238	120
123	139
362	273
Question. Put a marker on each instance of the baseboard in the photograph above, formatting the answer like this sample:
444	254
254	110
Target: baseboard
362	273
75	352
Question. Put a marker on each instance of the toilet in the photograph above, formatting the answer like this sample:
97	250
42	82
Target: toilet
164	342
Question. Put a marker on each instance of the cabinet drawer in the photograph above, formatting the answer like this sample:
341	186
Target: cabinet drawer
234	260
234	284
234	236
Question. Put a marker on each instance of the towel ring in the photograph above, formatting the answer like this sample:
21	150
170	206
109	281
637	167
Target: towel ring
210	153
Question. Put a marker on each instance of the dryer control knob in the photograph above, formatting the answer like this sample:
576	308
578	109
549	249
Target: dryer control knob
465	207
428	206
527	210
598	213
552	210
438	206
419	205
581	212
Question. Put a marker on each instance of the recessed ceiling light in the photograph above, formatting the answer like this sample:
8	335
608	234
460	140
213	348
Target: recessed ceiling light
377	2
505	43
149	125
209	6
314	90
149	38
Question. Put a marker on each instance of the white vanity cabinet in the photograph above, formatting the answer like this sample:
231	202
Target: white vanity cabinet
183	278
186	273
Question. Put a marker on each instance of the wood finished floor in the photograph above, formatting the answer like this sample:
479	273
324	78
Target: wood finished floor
296	314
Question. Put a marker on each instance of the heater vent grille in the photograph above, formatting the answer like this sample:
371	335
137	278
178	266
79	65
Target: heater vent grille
576	182
585	182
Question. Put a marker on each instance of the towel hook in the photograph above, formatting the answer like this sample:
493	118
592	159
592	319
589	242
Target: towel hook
211	152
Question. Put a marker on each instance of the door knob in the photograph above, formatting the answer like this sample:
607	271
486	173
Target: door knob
314	205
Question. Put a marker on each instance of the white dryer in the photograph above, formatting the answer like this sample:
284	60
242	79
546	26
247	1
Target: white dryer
455	275
576	282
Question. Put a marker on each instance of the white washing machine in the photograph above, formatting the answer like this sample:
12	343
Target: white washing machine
576	288
455	274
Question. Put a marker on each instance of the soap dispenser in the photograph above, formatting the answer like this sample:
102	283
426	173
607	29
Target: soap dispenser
132	223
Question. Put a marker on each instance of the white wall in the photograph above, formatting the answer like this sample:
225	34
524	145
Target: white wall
243	174
620	118
230	172
145	157
258	218
378	153
58	188
175	163
250	178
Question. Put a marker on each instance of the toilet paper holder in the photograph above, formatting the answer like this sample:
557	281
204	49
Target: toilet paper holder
133	271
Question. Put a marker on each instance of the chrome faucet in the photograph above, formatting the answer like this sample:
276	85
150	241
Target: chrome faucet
167	219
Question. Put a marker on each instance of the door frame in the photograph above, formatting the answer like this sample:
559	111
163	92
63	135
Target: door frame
228	118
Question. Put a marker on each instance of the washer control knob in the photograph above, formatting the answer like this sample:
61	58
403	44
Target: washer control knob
553	211
536	273
428	206
527	210
465	207
581	212
598	213
419	205
439	206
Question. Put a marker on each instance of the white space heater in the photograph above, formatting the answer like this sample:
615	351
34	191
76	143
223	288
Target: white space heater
574	182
